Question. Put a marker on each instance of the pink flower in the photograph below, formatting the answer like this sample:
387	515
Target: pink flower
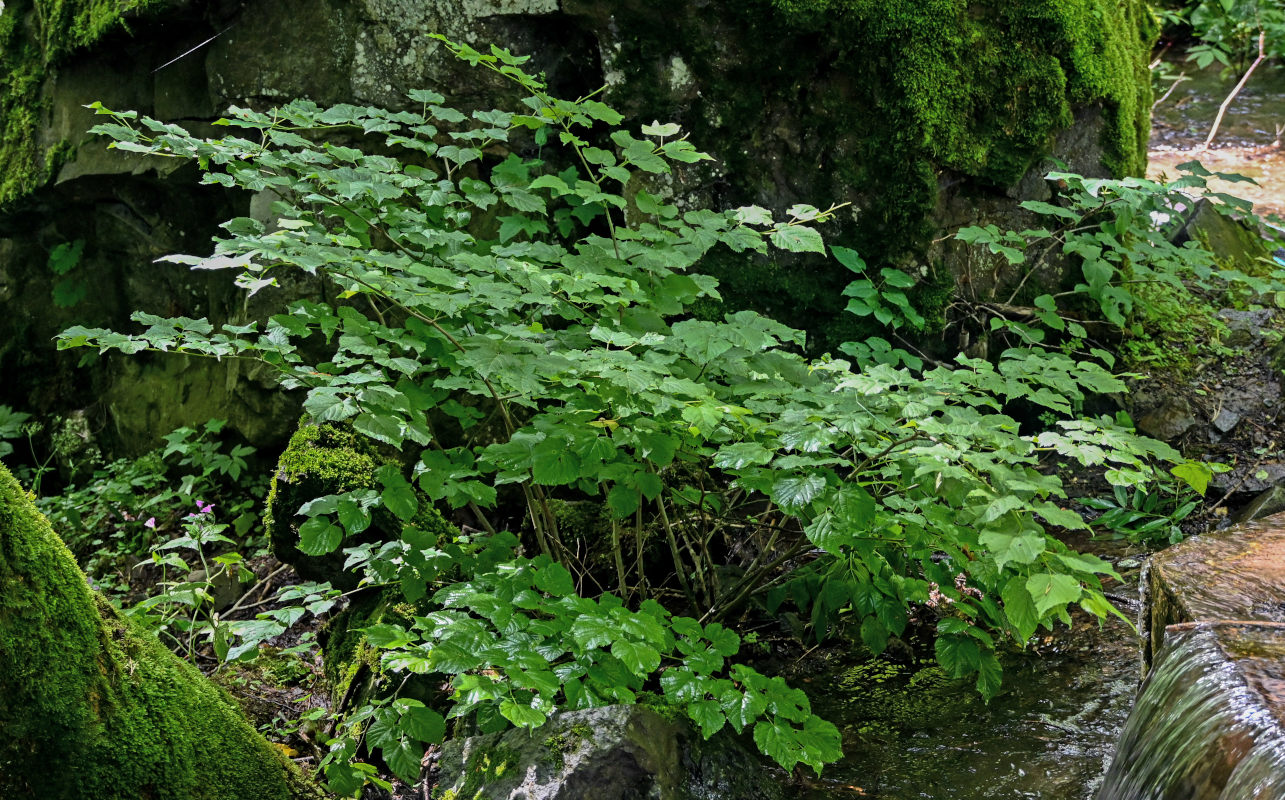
151	523
204	507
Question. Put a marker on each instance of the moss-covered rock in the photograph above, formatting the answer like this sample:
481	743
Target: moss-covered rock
332	458
35	35
91	706
924	114
350	664
982	90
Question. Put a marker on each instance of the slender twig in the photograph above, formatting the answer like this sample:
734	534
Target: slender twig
750	582
1155	62
676	554
618	556
1262	54
265	582
864	465
1181	78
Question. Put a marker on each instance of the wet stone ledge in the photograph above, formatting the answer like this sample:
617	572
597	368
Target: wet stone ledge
1232	575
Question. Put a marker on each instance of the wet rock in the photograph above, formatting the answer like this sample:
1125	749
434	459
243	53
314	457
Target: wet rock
1208	721
1210	718
1269	502
1244	327
1228	575
1226	420
1171	420
1232	240
1251	477
625	752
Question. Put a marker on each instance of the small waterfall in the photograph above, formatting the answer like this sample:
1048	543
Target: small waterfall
1199	730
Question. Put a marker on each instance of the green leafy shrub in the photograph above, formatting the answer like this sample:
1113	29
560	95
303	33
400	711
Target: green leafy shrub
1131	267
525	322
1227	31
183	609
1150	516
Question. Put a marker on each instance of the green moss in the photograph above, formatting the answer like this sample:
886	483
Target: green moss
332	458
352	668
1173	334
482	768
345	653
582	519
894	699
91	706
982	90
560	745
35	36
932	296
281	669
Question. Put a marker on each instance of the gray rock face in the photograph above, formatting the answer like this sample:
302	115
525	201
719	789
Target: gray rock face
616	752
1226	420
1270	501
1252	477
1245	327
1171	420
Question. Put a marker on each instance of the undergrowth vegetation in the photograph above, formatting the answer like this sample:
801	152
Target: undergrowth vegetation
120	509
512	315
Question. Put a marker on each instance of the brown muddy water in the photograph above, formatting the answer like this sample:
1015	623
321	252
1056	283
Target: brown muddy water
1248	138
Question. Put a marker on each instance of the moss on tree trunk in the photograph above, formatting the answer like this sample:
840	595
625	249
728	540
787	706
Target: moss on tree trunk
93	707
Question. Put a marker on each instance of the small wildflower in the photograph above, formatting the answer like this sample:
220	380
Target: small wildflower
151	523
961	585
204	507
935	598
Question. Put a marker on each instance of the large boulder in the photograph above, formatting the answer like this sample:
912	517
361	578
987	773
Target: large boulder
1237	574
92	706
1209	721
619	752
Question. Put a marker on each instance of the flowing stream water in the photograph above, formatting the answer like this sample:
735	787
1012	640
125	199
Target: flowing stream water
1049	734
1201	728
1244	145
